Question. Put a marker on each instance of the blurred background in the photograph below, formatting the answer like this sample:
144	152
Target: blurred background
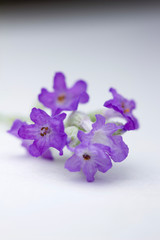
108	44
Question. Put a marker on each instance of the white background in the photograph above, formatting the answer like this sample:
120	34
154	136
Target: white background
108	48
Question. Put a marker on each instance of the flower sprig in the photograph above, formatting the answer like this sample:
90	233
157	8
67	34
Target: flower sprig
94	139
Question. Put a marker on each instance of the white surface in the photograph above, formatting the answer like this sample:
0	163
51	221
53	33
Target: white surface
40	199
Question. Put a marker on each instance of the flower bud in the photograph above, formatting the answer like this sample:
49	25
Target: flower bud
72	139
80	120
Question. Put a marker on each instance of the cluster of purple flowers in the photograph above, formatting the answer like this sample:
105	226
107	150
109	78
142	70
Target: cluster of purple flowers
93	144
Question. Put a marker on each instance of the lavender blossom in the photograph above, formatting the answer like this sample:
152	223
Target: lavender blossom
63	98
92	139
46	132
89	158
26	143
125	108
96	148
104	135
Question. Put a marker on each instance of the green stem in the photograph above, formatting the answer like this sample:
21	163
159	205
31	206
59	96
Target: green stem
8	120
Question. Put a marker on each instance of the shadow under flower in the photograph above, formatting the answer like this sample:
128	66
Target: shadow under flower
55	169
118	174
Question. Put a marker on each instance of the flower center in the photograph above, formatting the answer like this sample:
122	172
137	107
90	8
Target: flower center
125	110
45	131
86	156
61	98
100	137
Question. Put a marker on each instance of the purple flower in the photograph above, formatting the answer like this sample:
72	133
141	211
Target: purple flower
26	143
46	132
103	135
63	98
124	107
15	127
89	158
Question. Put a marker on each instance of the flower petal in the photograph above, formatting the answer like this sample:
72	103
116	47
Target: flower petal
39	116
111	128
60	117
103	161
84	137
48	155
33	150
84	98
28	131
15	127
57	140
39	147
89	170
132	123
119	150
100	121
73	164
79	90
79	87
26	143
48	99
132	104
59	81
114	92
